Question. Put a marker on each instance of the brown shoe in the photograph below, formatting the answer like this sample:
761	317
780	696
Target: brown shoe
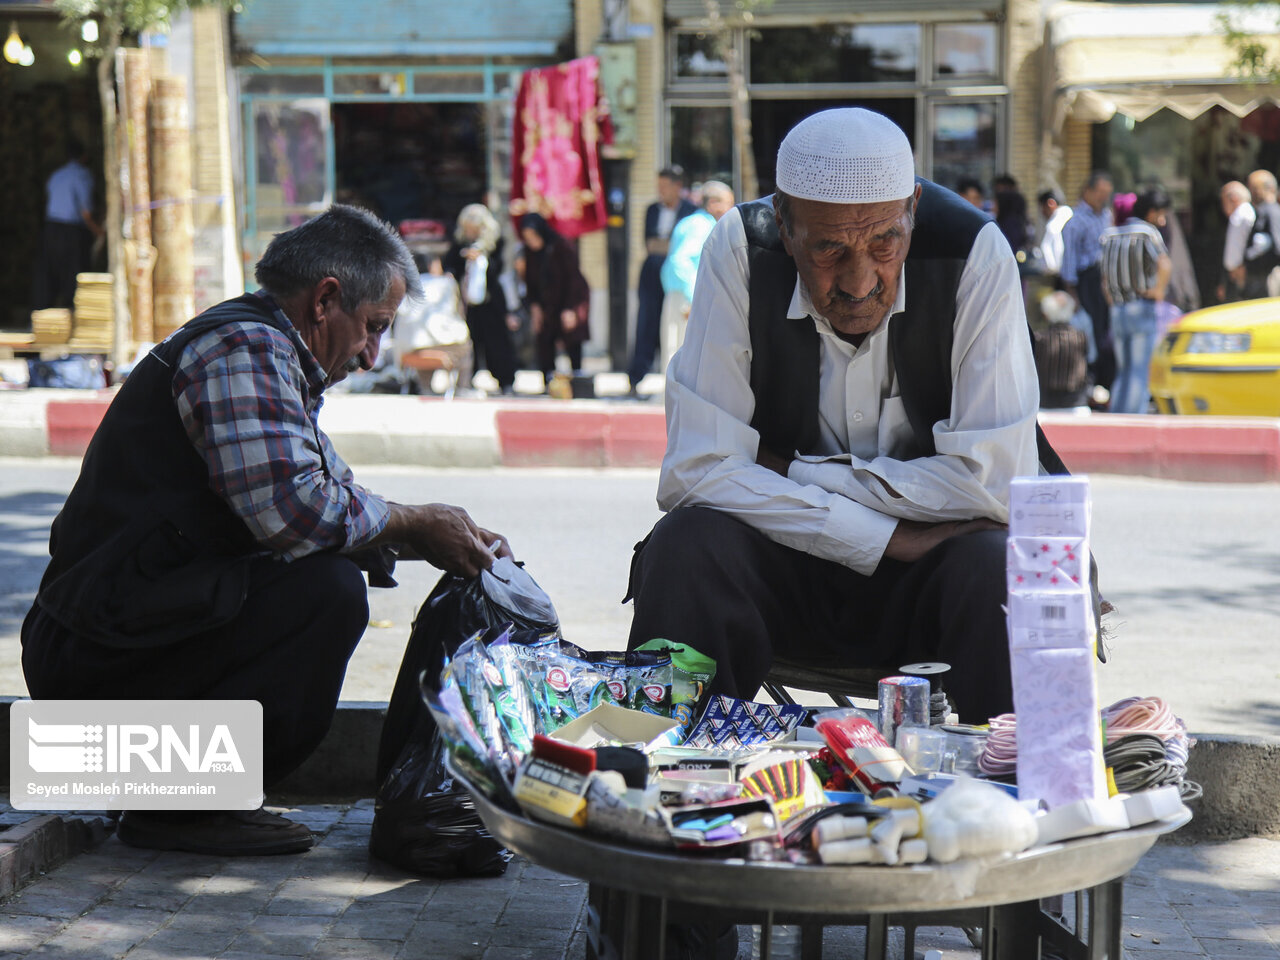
223	833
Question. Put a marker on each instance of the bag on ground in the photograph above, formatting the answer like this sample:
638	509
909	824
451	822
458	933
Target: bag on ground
423	821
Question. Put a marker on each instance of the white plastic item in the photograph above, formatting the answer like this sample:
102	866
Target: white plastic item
1083	818
1151	805
839	828
475	280
974	819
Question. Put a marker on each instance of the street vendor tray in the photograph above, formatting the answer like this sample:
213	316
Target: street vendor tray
1043	871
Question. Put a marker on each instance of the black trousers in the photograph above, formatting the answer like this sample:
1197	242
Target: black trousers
649	299
1089	287
288	649
65	254
704	579
491	341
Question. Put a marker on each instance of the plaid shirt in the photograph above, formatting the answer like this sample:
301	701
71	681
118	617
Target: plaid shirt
249	397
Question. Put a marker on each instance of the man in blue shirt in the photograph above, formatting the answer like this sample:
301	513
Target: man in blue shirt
1081	270
69	228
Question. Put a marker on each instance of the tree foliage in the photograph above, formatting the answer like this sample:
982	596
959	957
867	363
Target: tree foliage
1244	25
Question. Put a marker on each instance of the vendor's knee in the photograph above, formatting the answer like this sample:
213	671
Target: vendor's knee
340	594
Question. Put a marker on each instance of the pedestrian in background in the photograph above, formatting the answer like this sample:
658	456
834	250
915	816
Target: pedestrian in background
1240	219
475	260
69	229
559	298
660	220
972	191
1054	214
1262	255
680	269
1081	273
1135	272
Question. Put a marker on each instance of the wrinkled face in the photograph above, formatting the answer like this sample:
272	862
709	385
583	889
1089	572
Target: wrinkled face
532	238
850	257
345	342
718	203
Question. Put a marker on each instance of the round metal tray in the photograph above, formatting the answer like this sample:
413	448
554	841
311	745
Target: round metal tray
752	885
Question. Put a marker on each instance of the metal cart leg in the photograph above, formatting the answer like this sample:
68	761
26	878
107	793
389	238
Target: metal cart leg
1105	920
811	941
877	936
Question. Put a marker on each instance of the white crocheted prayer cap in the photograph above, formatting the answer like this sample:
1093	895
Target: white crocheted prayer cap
846	155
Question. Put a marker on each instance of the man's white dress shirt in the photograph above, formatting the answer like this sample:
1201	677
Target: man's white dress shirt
843	501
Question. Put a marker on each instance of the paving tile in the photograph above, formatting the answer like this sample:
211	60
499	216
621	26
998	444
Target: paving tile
309	907
287	944
19	932
377	921
332	948
1239	948
186	942
32	902
1152	955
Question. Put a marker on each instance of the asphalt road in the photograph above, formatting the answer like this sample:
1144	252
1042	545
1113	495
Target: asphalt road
1193	570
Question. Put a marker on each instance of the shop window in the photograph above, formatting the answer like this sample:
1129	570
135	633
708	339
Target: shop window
386	84
964	142
771	120
697	57
702	142
847	53
450	83
292	84
965	51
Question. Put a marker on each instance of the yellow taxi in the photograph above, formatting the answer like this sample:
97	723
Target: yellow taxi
1222	360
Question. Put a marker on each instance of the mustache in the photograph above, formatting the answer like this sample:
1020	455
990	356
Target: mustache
352	365
840	296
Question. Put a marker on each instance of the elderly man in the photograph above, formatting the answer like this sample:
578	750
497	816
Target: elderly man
1241	216
1262	255
855	392
209	549
680	269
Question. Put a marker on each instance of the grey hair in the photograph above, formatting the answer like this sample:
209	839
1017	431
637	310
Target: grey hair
488	232
363	253
713	188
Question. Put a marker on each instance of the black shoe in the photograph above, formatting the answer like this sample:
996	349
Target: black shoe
223	833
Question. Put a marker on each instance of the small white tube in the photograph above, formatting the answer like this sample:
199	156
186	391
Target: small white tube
838	828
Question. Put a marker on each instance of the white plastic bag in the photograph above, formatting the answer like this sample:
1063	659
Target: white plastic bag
475	285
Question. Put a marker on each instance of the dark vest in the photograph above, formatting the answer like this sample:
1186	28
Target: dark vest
143	553
785	353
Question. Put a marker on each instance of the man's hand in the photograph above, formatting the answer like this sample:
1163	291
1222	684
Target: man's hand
568	319
767	458
445	537
912	539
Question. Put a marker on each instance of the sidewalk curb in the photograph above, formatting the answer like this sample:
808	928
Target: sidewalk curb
1240	775
540	432
38	845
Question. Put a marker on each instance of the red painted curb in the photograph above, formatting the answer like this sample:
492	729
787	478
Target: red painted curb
636	439
71	424
1220	449
551	438
581	438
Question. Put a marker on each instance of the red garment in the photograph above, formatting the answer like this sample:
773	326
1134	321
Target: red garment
560	123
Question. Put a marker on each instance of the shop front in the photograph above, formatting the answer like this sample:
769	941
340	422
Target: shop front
938	71
48	98
339	107
1154	89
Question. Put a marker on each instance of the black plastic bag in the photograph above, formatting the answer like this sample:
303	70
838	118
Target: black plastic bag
423	821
